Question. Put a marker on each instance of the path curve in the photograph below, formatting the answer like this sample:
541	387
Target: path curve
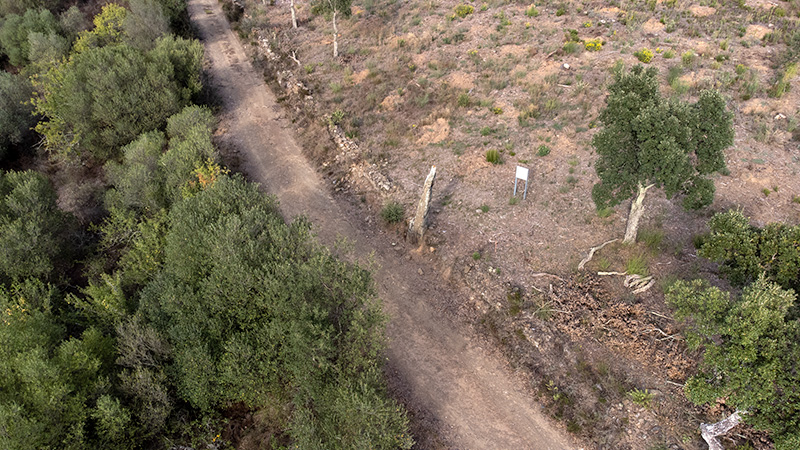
444	374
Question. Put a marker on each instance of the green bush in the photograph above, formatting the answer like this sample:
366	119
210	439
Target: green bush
393	212
463	11
745	251
255	312
750	348
493	156
688	57
642	398
644	55
543	150
532	11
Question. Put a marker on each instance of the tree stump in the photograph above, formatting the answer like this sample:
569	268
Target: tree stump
417	226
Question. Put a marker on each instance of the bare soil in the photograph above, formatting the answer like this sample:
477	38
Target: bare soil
460	394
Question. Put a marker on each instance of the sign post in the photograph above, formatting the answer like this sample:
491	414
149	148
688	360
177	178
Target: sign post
522	174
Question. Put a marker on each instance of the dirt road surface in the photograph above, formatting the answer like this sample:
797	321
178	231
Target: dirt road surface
444	377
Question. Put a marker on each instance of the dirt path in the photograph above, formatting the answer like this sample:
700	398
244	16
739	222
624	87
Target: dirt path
445	377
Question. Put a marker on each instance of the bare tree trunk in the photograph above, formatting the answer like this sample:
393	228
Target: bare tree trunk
335	39
711	431
294	14
637	209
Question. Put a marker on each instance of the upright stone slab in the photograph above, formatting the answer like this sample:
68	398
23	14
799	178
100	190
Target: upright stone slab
416	229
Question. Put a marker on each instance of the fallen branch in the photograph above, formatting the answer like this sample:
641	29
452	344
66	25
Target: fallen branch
591	253
673	337
611	273
659	315
294	58
545	274
645	287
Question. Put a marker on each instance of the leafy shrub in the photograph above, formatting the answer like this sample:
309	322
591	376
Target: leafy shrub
463	11
531	11
543	150
393	212
493	156
784	81
688	57
593	45
750	348
644	55
745	251
642	398
570	47
464	100
255	312
337	117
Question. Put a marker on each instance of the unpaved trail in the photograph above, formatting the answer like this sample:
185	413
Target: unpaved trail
443	374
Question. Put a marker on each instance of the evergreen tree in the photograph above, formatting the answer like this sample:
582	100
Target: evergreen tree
647	141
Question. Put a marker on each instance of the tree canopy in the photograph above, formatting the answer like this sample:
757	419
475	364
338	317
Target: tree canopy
750	352
745	251
103	97
16	30
649	141
15	111
30	226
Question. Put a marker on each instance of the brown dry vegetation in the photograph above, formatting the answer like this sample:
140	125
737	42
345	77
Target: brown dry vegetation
415	85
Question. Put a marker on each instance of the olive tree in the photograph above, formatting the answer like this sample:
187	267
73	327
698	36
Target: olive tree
647	141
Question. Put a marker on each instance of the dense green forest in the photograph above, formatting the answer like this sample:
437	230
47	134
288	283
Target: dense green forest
191	297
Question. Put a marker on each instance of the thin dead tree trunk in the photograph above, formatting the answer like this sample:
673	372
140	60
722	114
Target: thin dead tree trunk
710	431
637	209
335	39
294	14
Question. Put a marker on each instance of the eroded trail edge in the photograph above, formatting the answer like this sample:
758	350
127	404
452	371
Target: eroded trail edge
466	391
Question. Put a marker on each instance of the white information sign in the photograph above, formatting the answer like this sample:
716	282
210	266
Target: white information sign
522	174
